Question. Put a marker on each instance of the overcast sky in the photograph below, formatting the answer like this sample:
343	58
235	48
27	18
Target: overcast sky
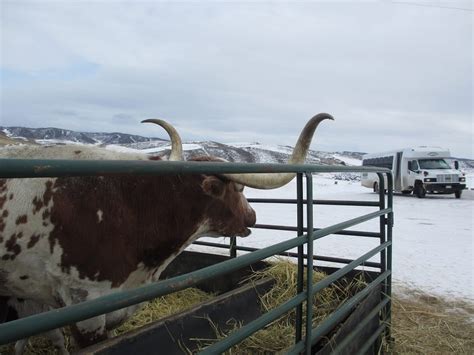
393	74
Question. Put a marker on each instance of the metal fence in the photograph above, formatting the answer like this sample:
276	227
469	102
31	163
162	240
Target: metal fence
305	335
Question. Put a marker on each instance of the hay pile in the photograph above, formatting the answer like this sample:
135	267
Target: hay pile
424	324
162	307
280	334
275	337
159	308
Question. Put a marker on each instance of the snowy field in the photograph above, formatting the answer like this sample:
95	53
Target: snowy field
432	237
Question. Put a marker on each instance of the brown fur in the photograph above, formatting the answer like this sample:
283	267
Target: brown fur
145	219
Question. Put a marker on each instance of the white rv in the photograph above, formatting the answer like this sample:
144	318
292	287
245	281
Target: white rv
416	170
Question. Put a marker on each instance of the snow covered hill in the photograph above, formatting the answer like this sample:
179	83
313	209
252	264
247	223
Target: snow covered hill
58	135
252	152
233	152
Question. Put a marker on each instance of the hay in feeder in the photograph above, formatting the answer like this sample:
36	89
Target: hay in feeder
280	334
162	307
154	310
422	324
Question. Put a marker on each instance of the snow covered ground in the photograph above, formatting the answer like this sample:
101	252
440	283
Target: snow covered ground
432	237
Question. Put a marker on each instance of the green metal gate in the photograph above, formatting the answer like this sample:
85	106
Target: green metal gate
11	331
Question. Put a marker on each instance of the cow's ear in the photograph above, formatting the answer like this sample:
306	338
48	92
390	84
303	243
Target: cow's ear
213	186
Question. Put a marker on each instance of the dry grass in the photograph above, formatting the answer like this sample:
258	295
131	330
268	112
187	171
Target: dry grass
163	307
279	335
152	311
423	324
5	140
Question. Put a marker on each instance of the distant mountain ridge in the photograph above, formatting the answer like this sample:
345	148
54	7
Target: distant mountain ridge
238	152
234	152
52	133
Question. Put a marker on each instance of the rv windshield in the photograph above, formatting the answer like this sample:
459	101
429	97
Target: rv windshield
433	164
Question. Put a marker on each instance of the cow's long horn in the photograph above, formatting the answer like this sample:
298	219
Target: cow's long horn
176	144
273	181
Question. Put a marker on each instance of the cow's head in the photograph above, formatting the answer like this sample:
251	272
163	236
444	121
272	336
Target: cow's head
228	212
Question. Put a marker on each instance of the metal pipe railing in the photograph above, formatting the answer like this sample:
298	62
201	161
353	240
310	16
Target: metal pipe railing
250	328
317	257
294	229
309	262
342	311
338	314
27	168
390	223
300	255
349	267
25	327
315	202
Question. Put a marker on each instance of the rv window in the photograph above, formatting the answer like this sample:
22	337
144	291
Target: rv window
413	165
383	162
433	164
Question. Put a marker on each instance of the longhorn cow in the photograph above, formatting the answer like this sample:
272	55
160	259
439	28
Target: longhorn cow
68	240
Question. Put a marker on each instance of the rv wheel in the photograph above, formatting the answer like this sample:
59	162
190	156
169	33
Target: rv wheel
419	191
376	187
458	194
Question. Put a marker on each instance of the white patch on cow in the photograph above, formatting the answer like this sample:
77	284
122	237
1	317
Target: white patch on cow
94	327
33	260
99	216
203	229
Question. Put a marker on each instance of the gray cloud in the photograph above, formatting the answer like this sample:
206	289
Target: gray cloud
392	75
123	116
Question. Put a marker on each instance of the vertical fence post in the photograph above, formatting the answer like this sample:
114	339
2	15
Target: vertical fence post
388	307
309	261
233	247
383	253
383	260
299	232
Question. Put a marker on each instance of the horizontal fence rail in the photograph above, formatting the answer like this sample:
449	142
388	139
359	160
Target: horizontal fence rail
294	229
290	254
32	168
24	168
316	202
